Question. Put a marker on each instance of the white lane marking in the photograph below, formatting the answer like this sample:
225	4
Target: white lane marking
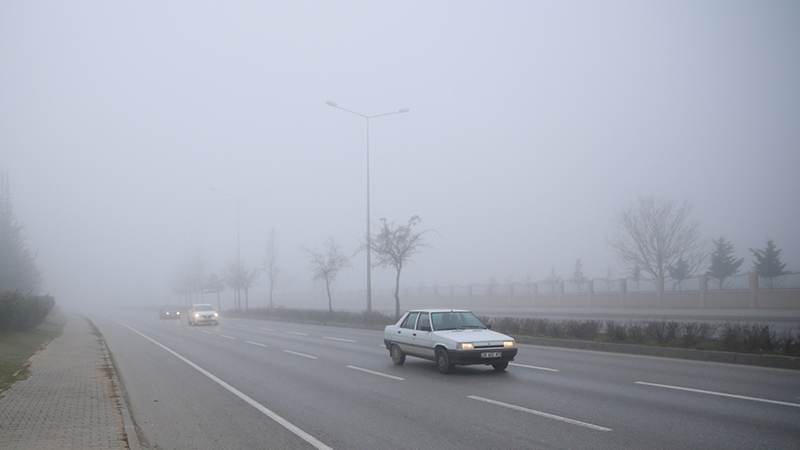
546	369
226	336
331	338
720	394
267	329
304	355
206	332
541	413
297	333
256	343
383	346
316	443
380	374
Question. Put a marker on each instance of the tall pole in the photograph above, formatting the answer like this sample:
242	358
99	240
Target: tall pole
369	235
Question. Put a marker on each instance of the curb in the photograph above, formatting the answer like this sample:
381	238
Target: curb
129	426
750	359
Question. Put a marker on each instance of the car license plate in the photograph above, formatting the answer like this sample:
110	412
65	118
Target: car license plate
491	354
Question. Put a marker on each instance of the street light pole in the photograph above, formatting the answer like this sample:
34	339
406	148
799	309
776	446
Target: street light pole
367	118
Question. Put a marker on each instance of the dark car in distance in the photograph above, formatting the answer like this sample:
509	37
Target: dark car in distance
169	313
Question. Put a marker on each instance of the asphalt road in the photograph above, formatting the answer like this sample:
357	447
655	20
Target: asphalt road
265	384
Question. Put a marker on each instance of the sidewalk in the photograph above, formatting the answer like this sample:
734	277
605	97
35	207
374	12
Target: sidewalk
71	399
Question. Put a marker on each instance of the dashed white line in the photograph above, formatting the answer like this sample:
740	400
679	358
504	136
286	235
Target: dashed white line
297	333
720	394
546	369
267	329
316	443
383	346
259	344
338	339
373	372
226	336
206	332
541	414
304	355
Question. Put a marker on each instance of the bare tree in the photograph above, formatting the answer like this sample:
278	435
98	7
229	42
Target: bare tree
214	285
327	264
656	234
240	279
394	245
270	266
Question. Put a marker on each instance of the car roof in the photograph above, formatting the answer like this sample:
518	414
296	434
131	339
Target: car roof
437	310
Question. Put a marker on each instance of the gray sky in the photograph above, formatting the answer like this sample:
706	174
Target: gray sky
532	124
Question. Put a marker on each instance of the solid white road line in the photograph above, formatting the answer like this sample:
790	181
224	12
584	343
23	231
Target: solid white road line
297	333
720	394
256	343
316	443
380	374
304	355
541	414
546	369
330	338
226	336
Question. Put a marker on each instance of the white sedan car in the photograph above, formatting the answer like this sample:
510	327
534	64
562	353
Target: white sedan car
201	313
449	337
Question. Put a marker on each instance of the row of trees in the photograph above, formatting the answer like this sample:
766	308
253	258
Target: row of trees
658	239
394	246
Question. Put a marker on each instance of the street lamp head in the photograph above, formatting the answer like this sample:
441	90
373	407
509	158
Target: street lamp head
403	110
331	103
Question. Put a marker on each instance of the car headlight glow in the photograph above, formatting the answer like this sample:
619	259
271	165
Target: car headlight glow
466	346
509	344
196	315
216	315
178	313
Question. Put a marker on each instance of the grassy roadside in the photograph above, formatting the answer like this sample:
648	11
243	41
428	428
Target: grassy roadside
16	347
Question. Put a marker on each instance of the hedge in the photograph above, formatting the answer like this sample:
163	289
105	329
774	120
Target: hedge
734	337
22	312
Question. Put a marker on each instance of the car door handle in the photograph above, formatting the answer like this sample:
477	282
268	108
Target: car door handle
414	334
398	332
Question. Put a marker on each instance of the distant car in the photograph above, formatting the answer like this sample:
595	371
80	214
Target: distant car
449	337
169	313
202	313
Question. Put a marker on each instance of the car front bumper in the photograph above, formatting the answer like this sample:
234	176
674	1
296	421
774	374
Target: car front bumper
202	320
464	357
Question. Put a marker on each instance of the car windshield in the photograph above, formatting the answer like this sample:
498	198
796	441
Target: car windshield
203	308
455	321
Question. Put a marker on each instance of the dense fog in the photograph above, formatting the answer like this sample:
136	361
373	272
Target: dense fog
133	133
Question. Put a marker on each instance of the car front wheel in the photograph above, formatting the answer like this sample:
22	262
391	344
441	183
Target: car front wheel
443	361
398	357
501	366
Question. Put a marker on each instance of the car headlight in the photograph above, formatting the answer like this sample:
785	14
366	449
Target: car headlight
178	313
216	315
466	346
509	344
196	315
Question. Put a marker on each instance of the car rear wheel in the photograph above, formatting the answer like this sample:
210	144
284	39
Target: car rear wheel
443	361
398	357
500	366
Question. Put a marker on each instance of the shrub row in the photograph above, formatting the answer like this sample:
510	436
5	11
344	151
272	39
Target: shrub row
733	337
22	312
316	315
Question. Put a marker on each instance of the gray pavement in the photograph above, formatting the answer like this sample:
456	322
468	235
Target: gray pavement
204	387
69	401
